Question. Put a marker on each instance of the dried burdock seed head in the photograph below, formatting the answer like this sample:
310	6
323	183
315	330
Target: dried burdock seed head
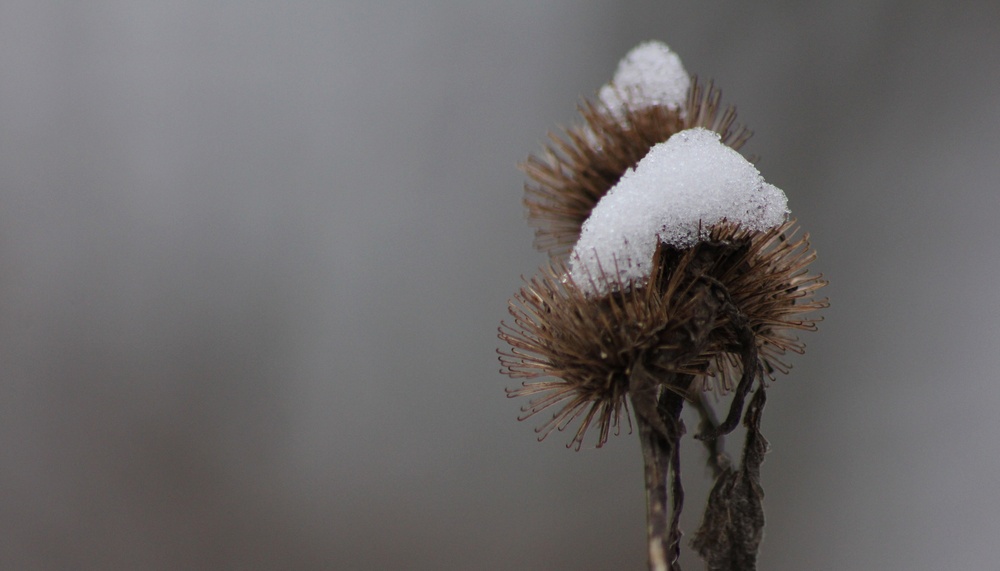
644	105
587	346
754	287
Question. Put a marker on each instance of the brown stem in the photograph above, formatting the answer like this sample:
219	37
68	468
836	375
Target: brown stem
660	430
677	491
656	456
669	409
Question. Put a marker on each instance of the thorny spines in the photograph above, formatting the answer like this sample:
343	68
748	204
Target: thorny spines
704	104
580	165
726	307
774	292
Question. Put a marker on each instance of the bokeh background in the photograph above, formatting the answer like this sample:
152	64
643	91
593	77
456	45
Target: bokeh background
253	256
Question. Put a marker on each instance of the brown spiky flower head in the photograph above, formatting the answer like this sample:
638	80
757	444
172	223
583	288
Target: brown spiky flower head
687	270
650	98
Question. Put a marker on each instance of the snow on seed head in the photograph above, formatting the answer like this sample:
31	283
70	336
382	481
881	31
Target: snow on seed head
649	75
683	187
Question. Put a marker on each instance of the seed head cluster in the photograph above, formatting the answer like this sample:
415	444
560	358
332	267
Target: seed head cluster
576	353
719	314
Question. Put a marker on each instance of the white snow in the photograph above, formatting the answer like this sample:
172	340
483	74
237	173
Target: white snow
691	180
651	74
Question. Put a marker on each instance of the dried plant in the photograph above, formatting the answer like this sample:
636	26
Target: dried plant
718	315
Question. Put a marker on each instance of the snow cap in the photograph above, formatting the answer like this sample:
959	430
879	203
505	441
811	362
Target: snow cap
651	74
688	182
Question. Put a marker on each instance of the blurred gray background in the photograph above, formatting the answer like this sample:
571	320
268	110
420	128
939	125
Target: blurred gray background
253	256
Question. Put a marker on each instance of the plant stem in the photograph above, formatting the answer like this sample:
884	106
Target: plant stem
656	455
660	431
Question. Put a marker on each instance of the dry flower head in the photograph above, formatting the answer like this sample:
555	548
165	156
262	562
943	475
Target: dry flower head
585	350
